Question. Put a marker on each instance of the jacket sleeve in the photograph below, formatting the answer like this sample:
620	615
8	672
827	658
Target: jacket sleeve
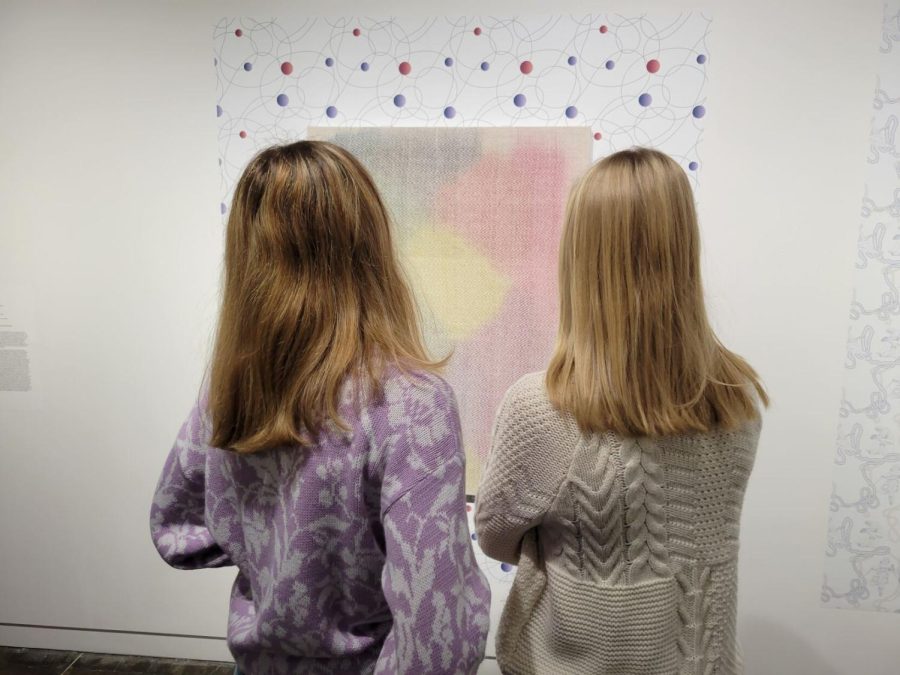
439	599
177	516
524	471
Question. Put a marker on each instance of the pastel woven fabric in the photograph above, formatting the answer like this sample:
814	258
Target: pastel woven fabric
627	547
354	555
478	215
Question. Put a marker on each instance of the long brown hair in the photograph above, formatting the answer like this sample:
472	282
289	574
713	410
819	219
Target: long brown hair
635	352
313	293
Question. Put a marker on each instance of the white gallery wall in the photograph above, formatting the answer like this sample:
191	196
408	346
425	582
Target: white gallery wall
109	224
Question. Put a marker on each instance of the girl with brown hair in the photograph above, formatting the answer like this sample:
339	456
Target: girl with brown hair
325	460
616	477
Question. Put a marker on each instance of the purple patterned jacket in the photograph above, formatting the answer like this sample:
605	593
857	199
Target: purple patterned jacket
354	556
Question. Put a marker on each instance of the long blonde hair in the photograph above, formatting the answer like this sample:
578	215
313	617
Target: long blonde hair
635	353
312	293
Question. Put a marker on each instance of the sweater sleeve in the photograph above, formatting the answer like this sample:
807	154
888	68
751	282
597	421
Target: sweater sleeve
528	461
177	516
439	599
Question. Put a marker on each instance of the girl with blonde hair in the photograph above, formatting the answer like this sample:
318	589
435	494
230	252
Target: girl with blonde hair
616	477
325	458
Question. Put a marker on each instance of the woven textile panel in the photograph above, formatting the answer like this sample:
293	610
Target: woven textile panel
477	215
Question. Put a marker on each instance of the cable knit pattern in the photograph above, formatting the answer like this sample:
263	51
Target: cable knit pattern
594	488
354	555
694	612
627	547
645	514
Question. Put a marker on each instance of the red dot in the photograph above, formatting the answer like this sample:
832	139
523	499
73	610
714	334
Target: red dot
652	66
468	508
243	134
526	67
477	31
405	68
356	32
603	29
287	68
598	136
239	32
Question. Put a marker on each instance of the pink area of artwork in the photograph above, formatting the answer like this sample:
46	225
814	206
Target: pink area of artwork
518	226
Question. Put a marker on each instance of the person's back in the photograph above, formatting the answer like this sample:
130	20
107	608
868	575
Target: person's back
324	458
354	553
616	478
629	565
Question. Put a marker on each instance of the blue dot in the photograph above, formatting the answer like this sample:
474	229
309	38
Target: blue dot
485	65
223	208
519	100
448	62
329	62
474	536
248	66
701	59
218	111
571	111
698	111
693	166
399	100
572	60
281	100
506	567
331	111
449	112
610	64
645	99
364	66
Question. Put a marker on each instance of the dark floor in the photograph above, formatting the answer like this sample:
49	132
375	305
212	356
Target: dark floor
18	661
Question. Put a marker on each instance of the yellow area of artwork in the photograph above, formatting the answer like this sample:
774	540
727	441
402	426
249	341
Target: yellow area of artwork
474	471
458	283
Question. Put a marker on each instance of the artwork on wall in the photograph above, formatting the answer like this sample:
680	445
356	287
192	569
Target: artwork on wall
601	83
612	81
862	569
477	215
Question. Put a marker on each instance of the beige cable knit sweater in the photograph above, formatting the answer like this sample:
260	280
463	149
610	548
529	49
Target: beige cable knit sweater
627	547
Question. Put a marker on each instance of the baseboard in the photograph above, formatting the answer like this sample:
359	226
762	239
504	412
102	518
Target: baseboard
135	643
171	645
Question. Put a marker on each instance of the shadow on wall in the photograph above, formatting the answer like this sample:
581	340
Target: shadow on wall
774	649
